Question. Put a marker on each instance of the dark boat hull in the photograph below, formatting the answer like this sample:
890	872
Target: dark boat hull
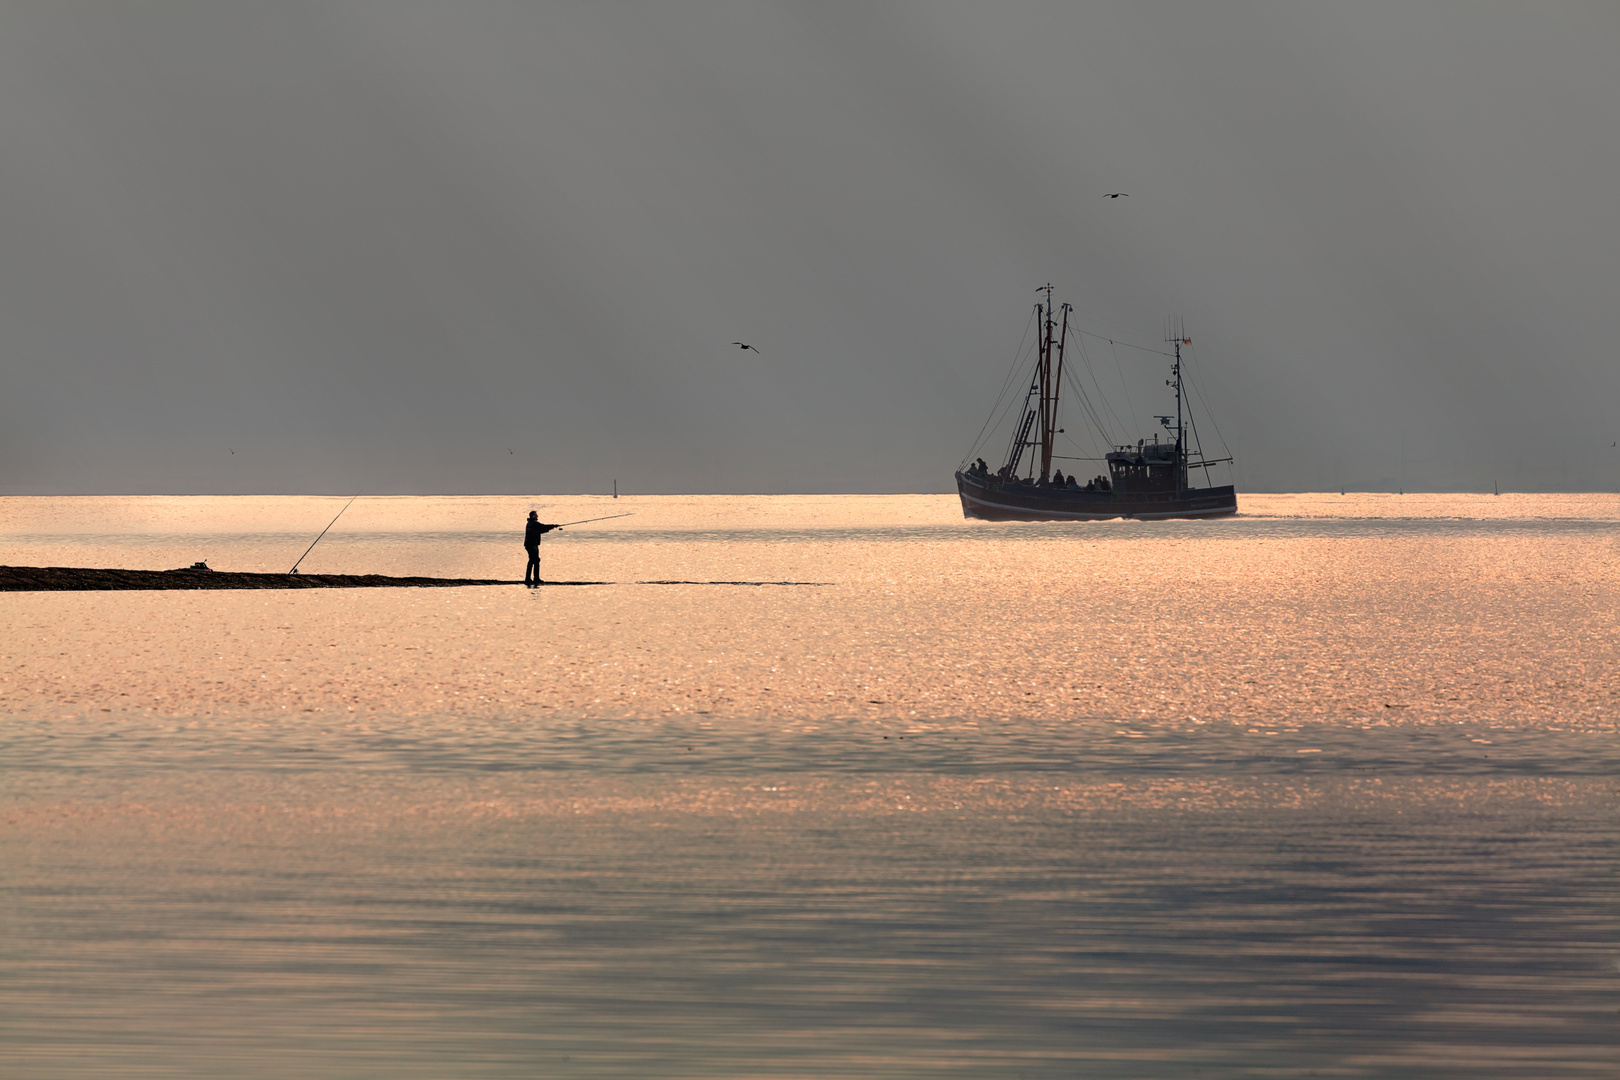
991	500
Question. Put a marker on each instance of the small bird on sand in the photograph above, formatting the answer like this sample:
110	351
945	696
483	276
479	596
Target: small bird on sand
740	345
1118	195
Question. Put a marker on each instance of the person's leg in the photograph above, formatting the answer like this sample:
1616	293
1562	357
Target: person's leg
531	572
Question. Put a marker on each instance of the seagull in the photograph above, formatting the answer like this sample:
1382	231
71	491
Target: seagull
1117	194
740	345
232	451
509	450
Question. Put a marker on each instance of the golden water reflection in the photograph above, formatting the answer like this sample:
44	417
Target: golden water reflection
1328	786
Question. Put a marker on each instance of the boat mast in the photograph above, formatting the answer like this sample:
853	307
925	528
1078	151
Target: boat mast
1050	406
1021	441
1048	403
1181	434
1180	338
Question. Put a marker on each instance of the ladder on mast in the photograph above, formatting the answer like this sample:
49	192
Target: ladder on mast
1020	442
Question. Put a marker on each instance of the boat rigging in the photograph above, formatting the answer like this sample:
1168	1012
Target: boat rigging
1149	480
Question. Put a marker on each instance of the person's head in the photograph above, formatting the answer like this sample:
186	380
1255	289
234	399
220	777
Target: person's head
534	515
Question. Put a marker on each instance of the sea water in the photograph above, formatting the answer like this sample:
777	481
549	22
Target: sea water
1327	788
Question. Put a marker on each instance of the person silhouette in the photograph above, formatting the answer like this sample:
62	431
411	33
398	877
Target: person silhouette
532	532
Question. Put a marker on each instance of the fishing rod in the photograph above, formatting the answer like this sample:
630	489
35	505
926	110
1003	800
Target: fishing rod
324	531
587	521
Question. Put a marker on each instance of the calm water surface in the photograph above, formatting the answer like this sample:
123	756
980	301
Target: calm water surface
1327	789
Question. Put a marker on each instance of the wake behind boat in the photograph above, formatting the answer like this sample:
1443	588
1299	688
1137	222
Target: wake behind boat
1149	480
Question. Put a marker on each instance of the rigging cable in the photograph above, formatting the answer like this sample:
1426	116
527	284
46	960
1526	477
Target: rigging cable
1079	392
1092	371
1226	451
1091	430
1079	388
1091	410
1019	441
1077	446
1193	423
1076	442
1005	384
1088	405
1011	401
1129	345
1121	369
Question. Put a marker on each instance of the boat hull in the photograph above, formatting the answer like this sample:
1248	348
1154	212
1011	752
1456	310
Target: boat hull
990	500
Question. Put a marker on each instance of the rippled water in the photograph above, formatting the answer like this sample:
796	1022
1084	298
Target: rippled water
1327	788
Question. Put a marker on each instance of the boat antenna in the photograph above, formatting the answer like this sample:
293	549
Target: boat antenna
324	531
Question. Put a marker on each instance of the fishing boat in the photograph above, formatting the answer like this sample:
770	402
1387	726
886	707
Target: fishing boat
1152	479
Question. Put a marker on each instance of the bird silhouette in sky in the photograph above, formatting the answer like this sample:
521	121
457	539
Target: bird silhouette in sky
1118	195
509	450
740	345
232	451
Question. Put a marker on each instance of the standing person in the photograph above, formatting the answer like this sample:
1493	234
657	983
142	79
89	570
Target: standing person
532	532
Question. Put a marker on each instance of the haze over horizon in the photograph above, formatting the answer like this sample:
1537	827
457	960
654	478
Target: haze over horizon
484	248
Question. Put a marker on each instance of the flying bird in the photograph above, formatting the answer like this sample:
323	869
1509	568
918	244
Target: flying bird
232	451
1117	194
740	345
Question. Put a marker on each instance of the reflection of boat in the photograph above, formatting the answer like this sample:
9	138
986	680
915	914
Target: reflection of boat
1152	479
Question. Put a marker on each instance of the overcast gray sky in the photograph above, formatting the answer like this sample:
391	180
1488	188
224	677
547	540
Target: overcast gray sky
505	247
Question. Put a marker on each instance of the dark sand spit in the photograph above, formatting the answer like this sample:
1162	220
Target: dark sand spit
82	579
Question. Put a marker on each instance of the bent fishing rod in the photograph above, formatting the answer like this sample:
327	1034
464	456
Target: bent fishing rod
324	531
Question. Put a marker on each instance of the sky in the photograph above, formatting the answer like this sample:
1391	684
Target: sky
505	248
